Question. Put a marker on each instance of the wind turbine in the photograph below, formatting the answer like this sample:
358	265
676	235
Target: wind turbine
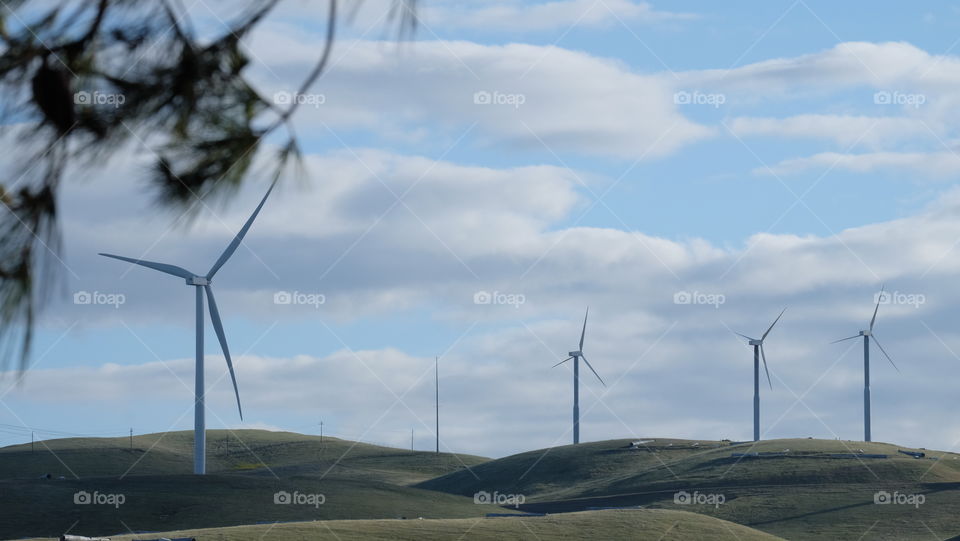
757	354
866	364
576	356
202	285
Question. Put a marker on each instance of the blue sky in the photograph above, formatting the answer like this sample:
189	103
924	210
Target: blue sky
800	188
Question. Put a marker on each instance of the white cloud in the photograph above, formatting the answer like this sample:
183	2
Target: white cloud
514	15
675	374
844	130
888	66
459	229
892	98
938	165
518	97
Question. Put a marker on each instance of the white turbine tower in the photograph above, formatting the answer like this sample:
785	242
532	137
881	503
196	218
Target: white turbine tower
758	352
866	364
576	356
202	285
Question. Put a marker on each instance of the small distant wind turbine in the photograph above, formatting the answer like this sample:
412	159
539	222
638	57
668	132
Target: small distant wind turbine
202	283
576	356
866	364
758	352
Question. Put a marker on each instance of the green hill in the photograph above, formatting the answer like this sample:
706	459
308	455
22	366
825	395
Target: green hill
661	525
246	468
797	488
227	452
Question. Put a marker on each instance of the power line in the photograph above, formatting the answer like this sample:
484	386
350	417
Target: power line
23	429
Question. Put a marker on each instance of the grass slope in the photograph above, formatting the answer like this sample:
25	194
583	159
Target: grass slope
665	525
227	452
245	469
805	494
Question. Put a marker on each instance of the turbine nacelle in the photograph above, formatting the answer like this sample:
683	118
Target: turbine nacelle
198	281
755	342
575	354
866	333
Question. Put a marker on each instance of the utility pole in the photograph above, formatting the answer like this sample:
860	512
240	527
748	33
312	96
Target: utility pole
31	441
321	440
436	381
131	438
411	439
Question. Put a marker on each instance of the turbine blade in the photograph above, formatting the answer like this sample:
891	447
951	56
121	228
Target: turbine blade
745	336
592	370
218	327
584	331
874	318
232	247
763	355
162	267
875	341
772	324
561	362
845	339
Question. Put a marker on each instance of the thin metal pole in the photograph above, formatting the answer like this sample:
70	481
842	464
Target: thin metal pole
756	393
436	379
576	399
866	388
199	418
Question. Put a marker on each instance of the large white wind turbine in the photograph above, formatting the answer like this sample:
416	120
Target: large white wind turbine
576	356
202	283
758	352
866	364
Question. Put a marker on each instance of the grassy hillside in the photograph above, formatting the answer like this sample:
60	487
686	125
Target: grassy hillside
227	452
803	492
662	525
246	469
796	489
